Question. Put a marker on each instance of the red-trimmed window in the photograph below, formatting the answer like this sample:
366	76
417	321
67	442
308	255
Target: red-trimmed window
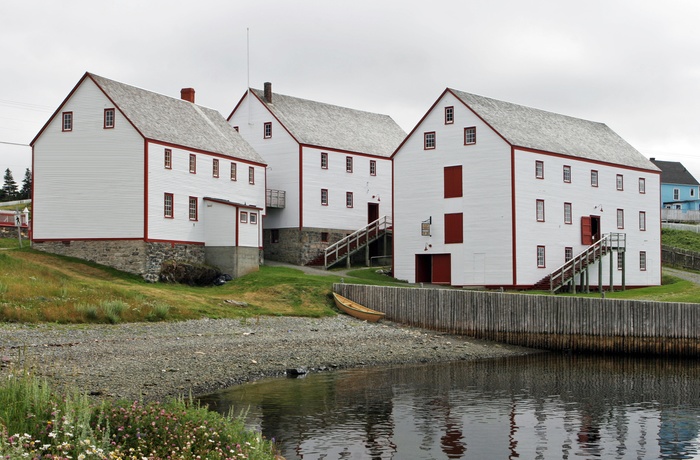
470	135
620	260
324	160
254	218
453	181
619	184
244	217
372	167
568	253
642	221
429	140
539	169
168	205
594	178
194	214
67	121
168	159
324	197
193	163
642	261
449	115
348	200
267	130
567	174
251	175
215	167
109	119
348	164
540	210
541	261
643	185
233	171
567	213
454	228
620	218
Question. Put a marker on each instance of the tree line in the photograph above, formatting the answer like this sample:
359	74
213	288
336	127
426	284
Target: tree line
10	191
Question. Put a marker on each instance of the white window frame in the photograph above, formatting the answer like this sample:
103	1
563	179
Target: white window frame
194	208
541	257
348	164
349	200
642	261
324	197
539	212
642	185
566	173
620	219
676	194
619	182
372	167
642	221
567	213
470	135
429	140
594	177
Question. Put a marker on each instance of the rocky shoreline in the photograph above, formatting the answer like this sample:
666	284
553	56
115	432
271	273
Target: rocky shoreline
159	361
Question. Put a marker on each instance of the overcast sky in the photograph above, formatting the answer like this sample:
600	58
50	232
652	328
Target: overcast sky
633	65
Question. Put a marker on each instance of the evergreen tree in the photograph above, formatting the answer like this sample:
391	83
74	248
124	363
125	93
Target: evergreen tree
26	191
9	186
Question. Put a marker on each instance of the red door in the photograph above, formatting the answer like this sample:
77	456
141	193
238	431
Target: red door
442	269
372	212
586	231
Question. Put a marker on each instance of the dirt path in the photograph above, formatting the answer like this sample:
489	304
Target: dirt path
686	275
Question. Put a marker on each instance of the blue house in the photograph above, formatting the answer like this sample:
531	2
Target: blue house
679	189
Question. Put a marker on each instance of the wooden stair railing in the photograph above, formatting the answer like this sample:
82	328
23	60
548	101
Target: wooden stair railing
355	241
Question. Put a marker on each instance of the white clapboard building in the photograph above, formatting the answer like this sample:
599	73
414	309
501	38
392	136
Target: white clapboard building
490	193
329	169
129	178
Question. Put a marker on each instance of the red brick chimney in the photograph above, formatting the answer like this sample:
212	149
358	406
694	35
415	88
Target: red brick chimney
268	92
187	94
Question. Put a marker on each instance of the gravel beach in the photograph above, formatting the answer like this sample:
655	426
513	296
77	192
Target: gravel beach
158	361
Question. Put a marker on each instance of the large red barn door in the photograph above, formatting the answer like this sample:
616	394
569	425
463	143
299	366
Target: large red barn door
442	269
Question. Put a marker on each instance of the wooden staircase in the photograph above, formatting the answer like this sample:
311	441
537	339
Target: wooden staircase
579	264
356	241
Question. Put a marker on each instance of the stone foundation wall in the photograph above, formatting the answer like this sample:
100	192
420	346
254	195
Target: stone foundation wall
299	247
132	256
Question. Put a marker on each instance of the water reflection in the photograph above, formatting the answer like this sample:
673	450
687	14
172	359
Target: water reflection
543	406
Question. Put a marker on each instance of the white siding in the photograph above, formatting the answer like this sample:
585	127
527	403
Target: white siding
364	187
88	183
221	224
586	201
281	153
183	184
485	255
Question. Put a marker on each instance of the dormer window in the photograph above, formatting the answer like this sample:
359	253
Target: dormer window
67	121
109	119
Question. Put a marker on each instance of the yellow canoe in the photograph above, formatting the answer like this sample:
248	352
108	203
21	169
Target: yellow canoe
357	310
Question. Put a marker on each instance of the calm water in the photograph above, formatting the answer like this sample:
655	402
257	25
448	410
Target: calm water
535	407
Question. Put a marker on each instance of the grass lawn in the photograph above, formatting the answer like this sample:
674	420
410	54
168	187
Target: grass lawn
681	239
40	287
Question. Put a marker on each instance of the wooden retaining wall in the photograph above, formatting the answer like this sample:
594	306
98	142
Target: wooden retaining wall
551	322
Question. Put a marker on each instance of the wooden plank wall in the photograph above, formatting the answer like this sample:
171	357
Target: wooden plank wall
550	322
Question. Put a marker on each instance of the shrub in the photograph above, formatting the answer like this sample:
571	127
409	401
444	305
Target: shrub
113	310
158	312
36	423
186	273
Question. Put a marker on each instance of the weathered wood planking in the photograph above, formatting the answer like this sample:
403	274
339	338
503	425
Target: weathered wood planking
550	322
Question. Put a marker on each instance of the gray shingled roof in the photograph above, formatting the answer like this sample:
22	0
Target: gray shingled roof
172	120
673	172
331	126
551	132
